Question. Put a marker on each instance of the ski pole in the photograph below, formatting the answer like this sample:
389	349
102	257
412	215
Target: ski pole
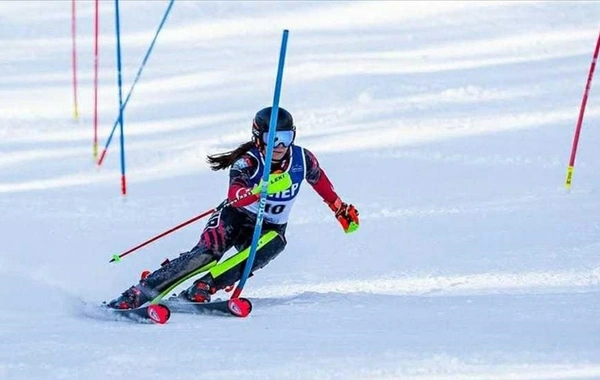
117	258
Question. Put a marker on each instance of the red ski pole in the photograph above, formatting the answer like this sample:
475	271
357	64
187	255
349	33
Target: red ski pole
117	258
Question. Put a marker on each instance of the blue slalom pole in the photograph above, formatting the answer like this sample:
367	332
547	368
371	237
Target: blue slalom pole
120	120
137	77
267	170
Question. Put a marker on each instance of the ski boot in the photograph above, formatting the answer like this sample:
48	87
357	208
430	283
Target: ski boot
200	291
130	299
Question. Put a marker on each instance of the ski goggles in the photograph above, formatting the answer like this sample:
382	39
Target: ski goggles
281	137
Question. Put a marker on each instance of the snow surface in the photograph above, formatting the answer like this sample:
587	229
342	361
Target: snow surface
449	125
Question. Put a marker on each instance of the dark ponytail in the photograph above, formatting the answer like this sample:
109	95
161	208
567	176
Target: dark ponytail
224	160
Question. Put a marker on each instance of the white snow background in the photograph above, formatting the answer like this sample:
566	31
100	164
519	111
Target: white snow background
449	125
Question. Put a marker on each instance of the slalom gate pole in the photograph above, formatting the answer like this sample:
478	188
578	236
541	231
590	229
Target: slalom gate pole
119	80
267	170
117	258
96	28
74	59
137	77
580	118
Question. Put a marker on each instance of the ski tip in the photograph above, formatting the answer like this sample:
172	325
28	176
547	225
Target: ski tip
159	313
240	307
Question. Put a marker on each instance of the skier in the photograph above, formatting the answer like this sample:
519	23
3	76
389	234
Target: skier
233	226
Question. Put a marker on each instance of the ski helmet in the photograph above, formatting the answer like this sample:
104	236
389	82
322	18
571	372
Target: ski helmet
260	126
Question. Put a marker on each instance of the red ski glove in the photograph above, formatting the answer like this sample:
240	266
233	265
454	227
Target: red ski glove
346	214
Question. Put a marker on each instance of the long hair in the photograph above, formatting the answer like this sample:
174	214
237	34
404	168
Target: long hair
224	160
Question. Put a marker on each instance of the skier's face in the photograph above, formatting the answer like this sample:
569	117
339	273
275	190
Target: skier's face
279	152
282	142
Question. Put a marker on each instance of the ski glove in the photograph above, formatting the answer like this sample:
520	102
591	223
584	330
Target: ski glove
278	182
346	214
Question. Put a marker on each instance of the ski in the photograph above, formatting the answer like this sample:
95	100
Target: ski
157	313
238	307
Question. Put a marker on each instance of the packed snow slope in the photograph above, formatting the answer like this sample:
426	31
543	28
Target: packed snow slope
449	126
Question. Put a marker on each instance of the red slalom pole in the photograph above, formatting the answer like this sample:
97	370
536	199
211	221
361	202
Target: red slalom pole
580	118
96	27
117	258
123	184
74	61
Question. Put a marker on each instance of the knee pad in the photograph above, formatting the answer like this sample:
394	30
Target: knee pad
268	251
271	244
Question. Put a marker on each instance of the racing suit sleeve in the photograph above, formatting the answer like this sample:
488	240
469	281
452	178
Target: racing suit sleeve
316	177
239	181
